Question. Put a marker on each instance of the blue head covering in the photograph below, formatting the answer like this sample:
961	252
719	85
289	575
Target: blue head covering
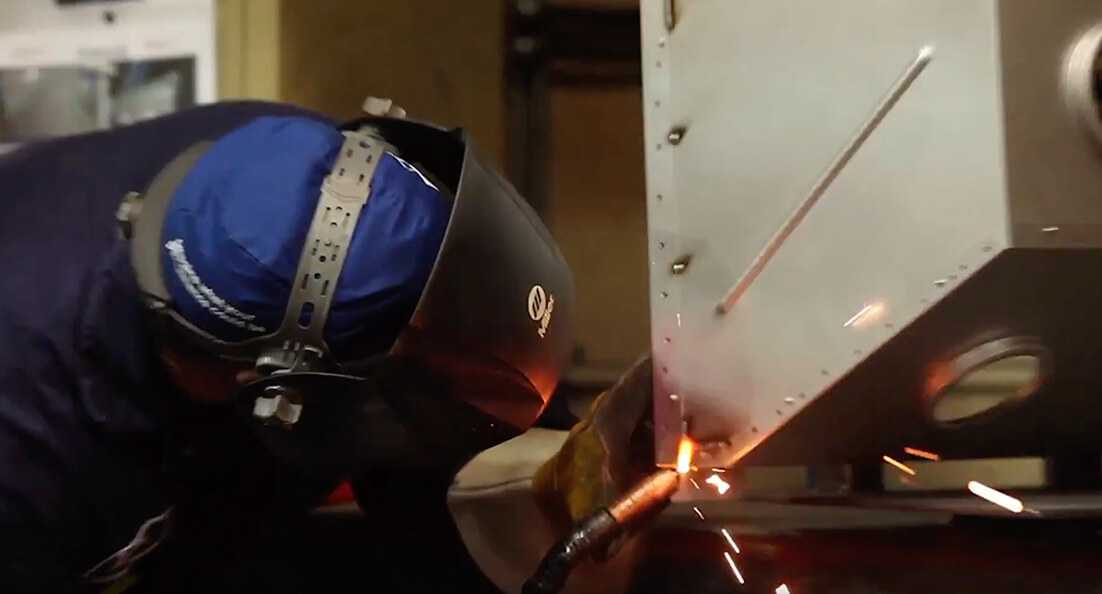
235	229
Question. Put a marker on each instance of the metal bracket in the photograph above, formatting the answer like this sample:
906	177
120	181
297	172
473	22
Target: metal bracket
344	193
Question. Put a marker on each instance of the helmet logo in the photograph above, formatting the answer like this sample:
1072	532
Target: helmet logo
540	306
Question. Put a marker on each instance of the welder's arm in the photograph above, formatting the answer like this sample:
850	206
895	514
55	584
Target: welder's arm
513	502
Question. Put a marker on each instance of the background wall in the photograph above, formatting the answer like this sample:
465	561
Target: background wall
442	61
597	212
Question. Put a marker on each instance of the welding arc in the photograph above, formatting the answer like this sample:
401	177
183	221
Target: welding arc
599	529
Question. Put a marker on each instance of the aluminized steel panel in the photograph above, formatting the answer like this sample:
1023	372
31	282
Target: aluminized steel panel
747	105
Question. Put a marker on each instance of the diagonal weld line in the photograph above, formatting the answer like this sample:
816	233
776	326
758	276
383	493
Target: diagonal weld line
925	55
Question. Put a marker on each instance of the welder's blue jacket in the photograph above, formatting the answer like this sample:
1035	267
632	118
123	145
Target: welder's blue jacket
86	417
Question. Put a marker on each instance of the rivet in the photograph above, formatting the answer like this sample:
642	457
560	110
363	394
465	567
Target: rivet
681	265
676	135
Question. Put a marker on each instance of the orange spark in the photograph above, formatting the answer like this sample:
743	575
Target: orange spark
721	485
734	568
693	481
698	513
997	497
719	470
730	540
685	455
868	313
901	466
922	454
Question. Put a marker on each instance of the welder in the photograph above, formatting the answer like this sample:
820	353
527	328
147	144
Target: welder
207	319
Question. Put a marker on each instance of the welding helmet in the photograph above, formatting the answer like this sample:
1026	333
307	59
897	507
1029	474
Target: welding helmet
474	364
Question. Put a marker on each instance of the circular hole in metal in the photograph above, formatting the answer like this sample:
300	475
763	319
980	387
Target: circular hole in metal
1083	84
990	377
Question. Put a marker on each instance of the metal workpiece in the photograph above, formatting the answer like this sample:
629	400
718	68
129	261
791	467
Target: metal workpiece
870	190
823	183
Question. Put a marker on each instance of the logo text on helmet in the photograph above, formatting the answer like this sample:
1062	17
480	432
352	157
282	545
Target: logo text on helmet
540	306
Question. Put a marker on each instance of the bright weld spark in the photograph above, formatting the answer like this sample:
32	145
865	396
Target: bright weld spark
694	483
721	470
699	514
901	466
734	568
731	541
922	454
685	455
782	589
999	498
869	312
721	485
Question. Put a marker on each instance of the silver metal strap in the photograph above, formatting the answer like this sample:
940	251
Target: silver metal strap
344	193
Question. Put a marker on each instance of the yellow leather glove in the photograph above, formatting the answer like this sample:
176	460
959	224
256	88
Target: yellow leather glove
606	453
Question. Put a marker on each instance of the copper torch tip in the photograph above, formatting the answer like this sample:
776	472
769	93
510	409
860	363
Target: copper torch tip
650	495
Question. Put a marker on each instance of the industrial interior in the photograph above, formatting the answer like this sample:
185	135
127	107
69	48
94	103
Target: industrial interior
852	251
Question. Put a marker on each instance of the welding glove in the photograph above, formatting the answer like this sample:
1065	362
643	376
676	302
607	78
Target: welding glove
512	502
606	453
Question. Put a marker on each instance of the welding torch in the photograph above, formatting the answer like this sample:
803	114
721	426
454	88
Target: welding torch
599	529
